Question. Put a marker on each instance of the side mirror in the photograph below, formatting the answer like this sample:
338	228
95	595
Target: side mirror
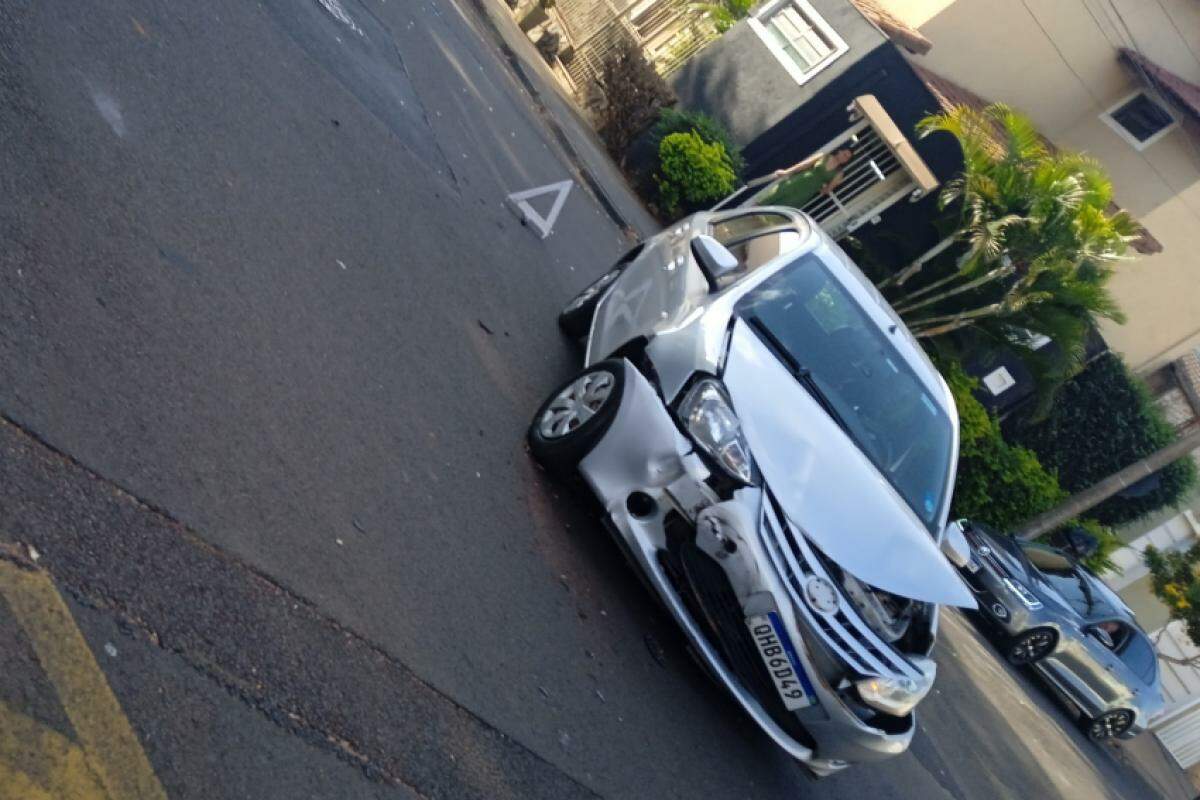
714	258
1102	636
955	546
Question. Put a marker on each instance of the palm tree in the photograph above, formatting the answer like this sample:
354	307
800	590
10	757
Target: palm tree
1040	239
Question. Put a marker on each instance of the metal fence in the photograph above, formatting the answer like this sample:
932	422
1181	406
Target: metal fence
668	32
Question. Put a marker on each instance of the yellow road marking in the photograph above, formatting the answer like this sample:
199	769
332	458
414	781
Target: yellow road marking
108	762
42	762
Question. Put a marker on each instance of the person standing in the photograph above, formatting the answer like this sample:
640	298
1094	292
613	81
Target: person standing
815	175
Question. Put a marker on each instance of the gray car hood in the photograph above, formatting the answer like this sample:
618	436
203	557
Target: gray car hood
827	487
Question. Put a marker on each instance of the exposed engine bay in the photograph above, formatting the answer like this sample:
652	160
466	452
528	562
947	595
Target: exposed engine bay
887	614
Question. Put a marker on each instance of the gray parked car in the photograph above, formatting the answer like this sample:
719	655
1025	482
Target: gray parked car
774	453
1059	618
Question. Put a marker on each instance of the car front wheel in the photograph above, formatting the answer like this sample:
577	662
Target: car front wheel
1109	725
1031	646
576	416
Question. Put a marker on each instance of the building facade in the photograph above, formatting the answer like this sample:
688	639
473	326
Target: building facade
1119	80
803	76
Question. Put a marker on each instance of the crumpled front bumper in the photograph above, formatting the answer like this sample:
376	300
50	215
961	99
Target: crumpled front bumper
644	452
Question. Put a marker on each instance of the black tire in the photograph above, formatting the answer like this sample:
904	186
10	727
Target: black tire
1030	646
560	454
576	317
1108	725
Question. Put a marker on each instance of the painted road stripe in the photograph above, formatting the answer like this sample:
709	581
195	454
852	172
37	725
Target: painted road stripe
544	224
106	742
36	762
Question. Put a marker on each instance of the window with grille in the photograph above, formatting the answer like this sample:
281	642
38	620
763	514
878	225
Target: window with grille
1140	119
798	36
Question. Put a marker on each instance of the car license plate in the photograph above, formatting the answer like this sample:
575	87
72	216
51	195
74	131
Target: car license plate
780	657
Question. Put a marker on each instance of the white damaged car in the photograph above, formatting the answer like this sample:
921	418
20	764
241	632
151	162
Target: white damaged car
776	455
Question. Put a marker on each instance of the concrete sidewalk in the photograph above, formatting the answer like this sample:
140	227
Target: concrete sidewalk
574	135
1149	758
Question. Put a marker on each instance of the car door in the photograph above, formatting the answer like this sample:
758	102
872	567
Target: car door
1139	667
654	293
1092	668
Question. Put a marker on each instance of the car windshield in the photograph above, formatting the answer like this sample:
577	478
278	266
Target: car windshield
1069	581
853	369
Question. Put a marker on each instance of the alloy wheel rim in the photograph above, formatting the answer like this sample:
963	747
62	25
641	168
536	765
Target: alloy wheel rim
576	404
1110	725
593	289
1032	647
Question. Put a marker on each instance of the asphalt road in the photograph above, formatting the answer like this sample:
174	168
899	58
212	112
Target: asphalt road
269	339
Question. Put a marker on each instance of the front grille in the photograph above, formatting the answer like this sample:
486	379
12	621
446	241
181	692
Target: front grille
990	560
710	599
844	632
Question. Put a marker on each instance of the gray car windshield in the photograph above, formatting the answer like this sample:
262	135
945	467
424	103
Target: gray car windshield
850	365
1069	581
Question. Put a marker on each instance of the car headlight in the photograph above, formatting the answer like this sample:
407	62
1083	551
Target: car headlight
898	695
1027	598
710	420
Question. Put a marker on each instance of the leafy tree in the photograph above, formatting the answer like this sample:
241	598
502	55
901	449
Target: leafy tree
1038	241
1173	577
1002	485
998	484
1105	397
725	14
634	94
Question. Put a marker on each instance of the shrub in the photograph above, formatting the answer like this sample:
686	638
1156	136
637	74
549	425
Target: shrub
726	13
1173	578
998	484
1102	421
692	171
635	93
671	120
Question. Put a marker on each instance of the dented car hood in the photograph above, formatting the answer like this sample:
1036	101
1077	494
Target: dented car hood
827	487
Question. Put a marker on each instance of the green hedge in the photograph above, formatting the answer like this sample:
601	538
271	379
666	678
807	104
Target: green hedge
1003	485
673	120
1103	420
692	172
998	484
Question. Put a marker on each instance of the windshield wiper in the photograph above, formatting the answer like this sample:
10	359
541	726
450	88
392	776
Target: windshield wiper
800	372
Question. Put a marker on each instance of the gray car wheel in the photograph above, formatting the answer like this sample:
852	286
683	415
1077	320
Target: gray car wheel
572	420
1031	646
1109	725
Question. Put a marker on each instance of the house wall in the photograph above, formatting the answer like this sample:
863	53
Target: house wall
739	82
1056	60
806	127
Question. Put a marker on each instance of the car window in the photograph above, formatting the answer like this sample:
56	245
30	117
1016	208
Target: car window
1118	631
886	409
1138	654
755	251
732	228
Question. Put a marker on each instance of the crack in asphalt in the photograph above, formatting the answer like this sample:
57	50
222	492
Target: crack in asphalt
253	636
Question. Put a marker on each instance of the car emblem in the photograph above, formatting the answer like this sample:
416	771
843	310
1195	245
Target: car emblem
984	550
821	595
